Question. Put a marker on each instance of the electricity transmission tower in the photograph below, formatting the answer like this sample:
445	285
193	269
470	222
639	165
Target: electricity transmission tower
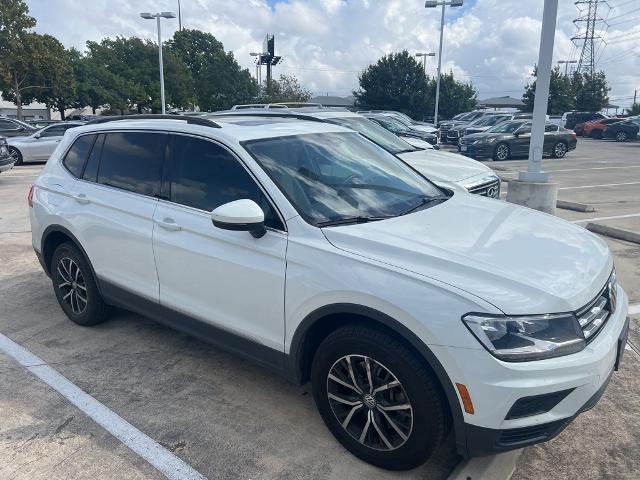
587	34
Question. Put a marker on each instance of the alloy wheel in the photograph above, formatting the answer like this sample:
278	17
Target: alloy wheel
15	155
502	152
72	286
621	136
560	150
369	402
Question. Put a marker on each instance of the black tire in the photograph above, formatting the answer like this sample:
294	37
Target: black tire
559	150
498	151
15	153
424	424
72	277
621	137
596	133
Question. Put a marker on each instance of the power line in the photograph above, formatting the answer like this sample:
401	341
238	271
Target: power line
588	10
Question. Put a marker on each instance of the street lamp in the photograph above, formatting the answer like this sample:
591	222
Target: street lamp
424	59
158	16
258	65
434	4
566	64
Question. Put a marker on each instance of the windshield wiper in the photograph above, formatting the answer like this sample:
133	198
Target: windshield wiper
426	202
349	221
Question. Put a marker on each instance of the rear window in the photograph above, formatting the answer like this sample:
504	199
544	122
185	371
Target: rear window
77	154
133	161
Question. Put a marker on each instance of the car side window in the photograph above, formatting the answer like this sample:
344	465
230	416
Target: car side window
550	128
133	161
91	169
205	175
56	131
77	154
7	125
524	129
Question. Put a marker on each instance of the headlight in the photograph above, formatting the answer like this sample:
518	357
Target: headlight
477	141
526	338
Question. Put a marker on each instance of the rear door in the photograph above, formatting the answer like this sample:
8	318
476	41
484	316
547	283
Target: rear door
42	147
520	144
551	137
227	279
115	201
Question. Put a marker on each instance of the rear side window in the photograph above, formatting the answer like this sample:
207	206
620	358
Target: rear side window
550	128
77	154
133	161
91	169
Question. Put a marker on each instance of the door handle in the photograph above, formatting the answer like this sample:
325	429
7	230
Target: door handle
81	198
169	224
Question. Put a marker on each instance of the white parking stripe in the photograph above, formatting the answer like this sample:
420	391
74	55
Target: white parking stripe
634	309
596	186
593	168
597	219
159	457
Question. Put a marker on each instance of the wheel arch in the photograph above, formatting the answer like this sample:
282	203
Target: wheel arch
323	321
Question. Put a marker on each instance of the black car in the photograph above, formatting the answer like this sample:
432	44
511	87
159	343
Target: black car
10	127
6	160
397	127
512	138
462	119
573	118
623	131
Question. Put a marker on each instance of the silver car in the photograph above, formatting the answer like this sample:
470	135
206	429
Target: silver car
38	146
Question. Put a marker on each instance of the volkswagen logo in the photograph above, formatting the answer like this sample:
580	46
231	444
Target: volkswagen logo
492	192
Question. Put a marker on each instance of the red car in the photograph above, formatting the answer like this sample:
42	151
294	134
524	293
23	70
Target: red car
596	128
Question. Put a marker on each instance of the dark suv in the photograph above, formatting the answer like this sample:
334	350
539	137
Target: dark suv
573	118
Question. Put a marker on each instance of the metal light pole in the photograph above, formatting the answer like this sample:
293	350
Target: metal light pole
157	16
434	4
566	64
424	59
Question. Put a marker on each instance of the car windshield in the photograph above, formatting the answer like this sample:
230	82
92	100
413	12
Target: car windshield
374	132
486	121
505	127
338	178
23	124
400	120
462	116
403	116
391	123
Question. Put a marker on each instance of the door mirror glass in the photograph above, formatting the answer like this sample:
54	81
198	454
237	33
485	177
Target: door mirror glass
241	216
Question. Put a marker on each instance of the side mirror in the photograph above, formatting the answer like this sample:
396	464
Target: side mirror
37	135
241	216
516	134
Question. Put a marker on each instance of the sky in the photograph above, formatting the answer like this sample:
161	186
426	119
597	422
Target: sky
326	43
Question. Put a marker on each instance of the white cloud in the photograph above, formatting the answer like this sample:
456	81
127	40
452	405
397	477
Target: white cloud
325	43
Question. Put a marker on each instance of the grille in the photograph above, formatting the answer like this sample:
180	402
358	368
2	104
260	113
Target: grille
452	134
595	314
489	188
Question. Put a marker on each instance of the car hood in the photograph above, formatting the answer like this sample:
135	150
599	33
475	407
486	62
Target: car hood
520	260
449	167
424	128
453	123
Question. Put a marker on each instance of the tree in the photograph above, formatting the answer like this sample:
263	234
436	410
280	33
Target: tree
634	110
285	89
561	94
17	47
455	96
59	89
395	82
218	80
591	91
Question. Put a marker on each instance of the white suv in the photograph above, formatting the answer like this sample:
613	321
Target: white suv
412	309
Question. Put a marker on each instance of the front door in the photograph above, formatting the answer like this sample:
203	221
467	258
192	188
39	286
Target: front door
227	279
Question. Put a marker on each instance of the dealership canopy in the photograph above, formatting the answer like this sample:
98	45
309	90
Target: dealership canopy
501	102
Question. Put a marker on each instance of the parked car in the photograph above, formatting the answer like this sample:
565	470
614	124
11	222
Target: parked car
596	128
443	168
406	119
513	138
267	106
398	128
624	130
410	308
41	123
38	146
10	127
463	119
571	119
480	124
6	160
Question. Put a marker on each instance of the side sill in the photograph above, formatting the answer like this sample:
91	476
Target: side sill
254	352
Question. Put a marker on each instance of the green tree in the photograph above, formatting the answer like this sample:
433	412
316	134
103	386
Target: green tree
561	93
18	47
218	80
455	96
395	82
634	110
59	91
287	88
591	91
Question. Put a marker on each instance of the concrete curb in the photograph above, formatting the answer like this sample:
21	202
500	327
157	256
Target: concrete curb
576	207
494	467
614	232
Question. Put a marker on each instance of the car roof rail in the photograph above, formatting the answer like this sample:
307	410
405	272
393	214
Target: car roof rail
267	113
185	118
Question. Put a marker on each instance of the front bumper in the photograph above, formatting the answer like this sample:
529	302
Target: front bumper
477	150
496	387
6	163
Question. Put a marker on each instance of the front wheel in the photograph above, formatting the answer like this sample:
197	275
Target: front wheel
559	150
621	137
501	152
377	398
16	155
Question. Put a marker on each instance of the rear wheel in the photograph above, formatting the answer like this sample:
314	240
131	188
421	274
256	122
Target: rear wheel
75	287
501	152
377	398
16	155
559	150
621	137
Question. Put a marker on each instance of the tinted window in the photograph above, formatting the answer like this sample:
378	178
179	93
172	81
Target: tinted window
133	161
524	129
7	125
77	154
375	133
204	175
56	131
91	169
550	128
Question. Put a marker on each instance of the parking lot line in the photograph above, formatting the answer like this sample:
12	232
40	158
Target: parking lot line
147	448
598	219
593	168
634	309
602	185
